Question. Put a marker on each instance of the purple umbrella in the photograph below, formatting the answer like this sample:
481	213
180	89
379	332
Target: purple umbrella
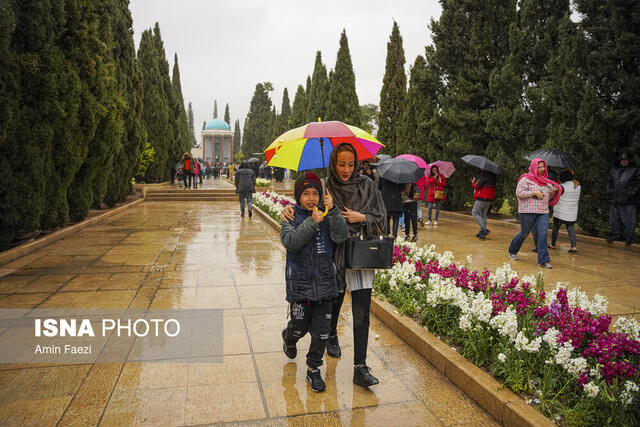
445	168
415	159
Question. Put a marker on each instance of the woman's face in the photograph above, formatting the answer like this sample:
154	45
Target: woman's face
541	168
434	170
345	164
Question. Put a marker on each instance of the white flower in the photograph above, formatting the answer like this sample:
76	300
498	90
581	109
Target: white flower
591	390
631	386
551	337
506	323
502	357
564	354
630	326
464	323
576	365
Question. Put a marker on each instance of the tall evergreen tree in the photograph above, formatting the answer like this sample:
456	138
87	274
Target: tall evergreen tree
127	159
369	117
343	102
181	142
393	93
155	113
204	124
227	116
191	124
272	132
237	137
471	40
285	110
256	125
298	115
317	100
215	109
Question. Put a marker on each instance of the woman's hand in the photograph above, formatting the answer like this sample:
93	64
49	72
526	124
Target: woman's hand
353	216
328	200
554	190
537	194
287	214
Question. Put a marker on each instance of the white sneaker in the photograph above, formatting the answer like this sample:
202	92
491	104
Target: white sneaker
435	222
428	222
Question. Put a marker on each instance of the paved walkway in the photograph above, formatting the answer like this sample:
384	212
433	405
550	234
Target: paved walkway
203	255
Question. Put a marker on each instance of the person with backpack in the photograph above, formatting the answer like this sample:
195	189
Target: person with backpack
484	191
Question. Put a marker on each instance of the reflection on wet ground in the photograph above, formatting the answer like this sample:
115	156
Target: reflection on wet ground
203	255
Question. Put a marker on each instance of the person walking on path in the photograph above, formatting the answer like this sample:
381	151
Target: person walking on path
196	173
484	191
566	210
423	186
392	198
361	205
535	193
623	191
310	275
245	181
435	196
179	177
187	169
410	206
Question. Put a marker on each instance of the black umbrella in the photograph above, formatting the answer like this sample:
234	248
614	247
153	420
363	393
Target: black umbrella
254	160
553	157
400	171
483	163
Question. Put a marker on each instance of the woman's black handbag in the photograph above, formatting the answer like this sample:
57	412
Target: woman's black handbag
369	254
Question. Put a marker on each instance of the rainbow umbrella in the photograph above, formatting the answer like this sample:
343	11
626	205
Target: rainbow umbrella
310	146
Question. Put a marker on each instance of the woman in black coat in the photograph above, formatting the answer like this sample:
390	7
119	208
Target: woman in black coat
392	198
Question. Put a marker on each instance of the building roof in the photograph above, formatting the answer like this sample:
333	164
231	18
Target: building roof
217	124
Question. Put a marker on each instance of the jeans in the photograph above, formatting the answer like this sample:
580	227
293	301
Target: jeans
480	211
360	305
430	206
419	210
248	196
396	223
570	229
313	317
187	179
527	222
622	219
410	218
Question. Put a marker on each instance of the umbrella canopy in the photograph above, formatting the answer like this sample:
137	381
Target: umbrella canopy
254	160
417	160
310	146
482	163
445	168
553	157
400	171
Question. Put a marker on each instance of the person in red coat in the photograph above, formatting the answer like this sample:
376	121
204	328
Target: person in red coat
484	191
436	192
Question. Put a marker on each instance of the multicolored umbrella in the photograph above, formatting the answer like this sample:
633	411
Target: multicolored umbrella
415	159
310	146
445	168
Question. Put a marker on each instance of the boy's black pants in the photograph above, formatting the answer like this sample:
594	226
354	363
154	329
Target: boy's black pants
313	317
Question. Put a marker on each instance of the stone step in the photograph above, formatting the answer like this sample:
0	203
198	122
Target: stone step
190	199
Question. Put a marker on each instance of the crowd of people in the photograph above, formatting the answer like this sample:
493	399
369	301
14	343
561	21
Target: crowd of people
190	171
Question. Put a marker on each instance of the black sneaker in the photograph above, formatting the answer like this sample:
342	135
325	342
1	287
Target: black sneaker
250	213
333	347
315	379
362	376
486	232
288	347
242	214
414	238
479	233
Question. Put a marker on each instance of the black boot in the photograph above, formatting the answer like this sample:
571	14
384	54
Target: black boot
333	348
250	213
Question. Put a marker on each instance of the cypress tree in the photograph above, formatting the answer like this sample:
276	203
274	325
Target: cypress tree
237	138
130	91
256	125
204	124
393	93
227	116
369	117
343	102
155	113
272	131
471	41
182	142
298	115
191	124
285	110
215	109
317	100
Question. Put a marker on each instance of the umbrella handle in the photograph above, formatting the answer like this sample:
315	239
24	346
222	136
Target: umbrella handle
326	210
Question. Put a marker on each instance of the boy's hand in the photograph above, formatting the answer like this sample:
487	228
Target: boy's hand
317	216
328	200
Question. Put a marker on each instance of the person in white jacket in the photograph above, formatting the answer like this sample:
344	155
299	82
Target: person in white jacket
566	211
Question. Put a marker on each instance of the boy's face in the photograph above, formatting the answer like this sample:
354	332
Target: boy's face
309	199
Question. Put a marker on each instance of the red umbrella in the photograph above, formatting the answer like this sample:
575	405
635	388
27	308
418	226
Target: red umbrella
445	168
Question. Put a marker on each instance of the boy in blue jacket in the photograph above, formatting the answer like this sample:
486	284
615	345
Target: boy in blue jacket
310	272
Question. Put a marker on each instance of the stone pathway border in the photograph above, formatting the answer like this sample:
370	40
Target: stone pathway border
502	404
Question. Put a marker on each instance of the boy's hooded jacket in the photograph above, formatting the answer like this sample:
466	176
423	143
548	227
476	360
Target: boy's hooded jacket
310	272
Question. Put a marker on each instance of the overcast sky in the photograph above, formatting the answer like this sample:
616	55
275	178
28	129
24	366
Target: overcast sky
226	47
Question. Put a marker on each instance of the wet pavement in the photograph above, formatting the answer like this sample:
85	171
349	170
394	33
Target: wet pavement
203	255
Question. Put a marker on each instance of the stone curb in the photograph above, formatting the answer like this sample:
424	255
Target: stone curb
502	404
599	241
26	248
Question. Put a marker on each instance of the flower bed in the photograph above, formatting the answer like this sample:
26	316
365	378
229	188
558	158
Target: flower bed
553	348
261	182
272	203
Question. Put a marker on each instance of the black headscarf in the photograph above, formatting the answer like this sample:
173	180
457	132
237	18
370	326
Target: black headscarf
359	194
